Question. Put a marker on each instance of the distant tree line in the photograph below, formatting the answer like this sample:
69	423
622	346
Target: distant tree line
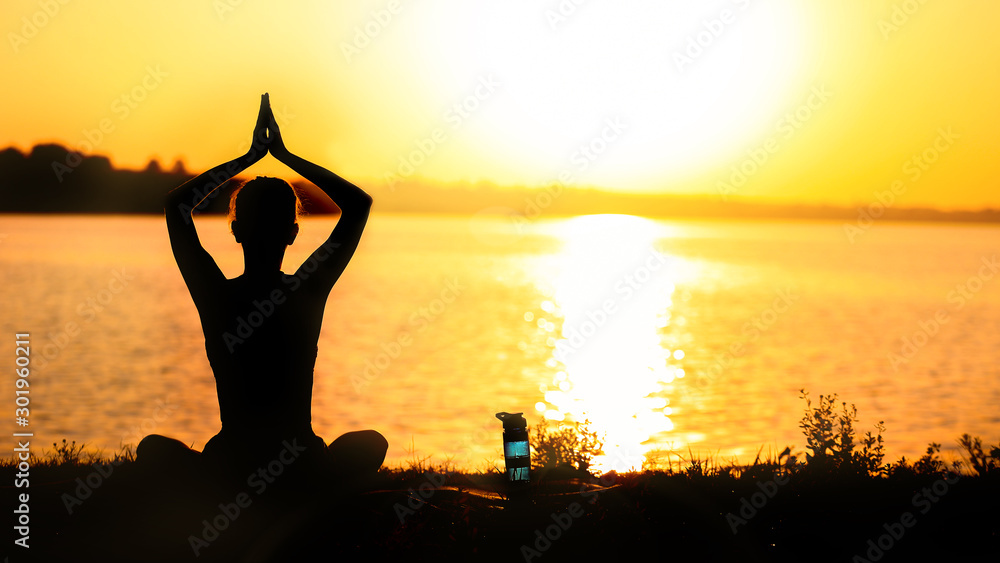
54	179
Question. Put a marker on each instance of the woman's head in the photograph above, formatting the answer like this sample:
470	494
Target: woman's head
264	210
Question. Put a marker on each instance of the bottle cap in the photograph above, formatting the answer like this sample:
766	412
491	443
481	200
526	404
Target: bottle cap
512	420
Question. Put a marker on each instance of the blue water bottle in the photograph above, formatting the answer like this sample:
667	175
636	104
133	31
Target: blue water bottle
516	452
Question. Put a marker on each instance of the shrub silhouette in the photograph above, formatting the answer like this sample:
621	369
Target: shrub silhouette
68	453
981	463
574	445
830	436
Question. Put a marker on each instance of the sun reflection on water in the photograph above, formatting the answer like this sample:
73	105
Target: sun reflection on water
614	292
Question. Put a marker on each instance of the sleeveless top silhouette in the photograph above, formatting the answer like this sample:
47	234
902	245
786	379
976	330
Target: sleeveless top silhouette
261	341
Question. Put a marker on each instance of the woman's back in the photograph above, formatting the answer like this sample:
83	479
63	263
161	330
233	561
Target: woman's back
261	339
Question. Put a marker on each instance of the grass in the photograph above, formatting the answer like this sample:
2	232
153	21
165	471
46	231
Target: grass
828	501
831	440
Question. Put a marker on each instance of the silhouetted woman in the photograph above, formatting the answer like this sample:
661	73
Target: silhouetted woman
261	328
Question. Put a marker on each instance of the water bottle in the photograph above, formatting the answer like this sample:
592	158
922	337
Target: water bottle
516	452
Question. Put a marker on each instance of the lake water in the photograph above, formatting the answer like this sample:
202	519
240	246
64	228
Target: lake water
668	336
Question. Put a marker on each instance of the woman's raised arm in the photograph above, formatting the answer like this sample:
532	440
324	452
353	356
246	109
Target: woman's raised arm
197	266
328	261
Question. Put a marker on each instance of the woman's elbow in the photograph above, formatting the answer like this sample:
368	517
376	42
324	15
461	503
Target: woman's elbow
362	203
362	198
174	200
176	207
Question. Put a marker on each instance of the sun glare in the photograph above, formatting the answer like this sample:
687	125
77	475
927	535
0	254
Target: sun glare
690	82
613	294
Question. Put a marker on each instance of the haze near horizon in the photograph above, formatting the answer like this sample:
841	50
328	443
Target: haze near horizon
778	101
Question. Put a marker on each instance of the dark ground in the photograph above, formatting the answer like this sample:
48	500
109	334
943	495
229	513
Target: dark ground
413	516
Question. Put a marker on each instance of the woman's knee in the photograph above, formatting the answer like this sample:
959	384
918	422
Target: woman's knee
362	439
157	448
363	450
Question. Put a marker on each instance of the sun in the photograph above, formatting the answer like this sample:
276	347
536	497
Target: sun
688	83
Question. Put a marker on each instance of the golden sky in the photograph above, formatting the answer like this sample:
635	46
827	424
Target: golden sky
825	101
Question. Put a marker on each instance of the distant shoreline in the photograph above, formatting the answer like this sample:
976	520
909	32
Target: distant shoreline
990	221
41	182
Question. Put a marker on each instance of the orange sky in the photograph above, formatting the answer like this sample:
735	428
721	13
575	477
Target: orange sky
822	101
